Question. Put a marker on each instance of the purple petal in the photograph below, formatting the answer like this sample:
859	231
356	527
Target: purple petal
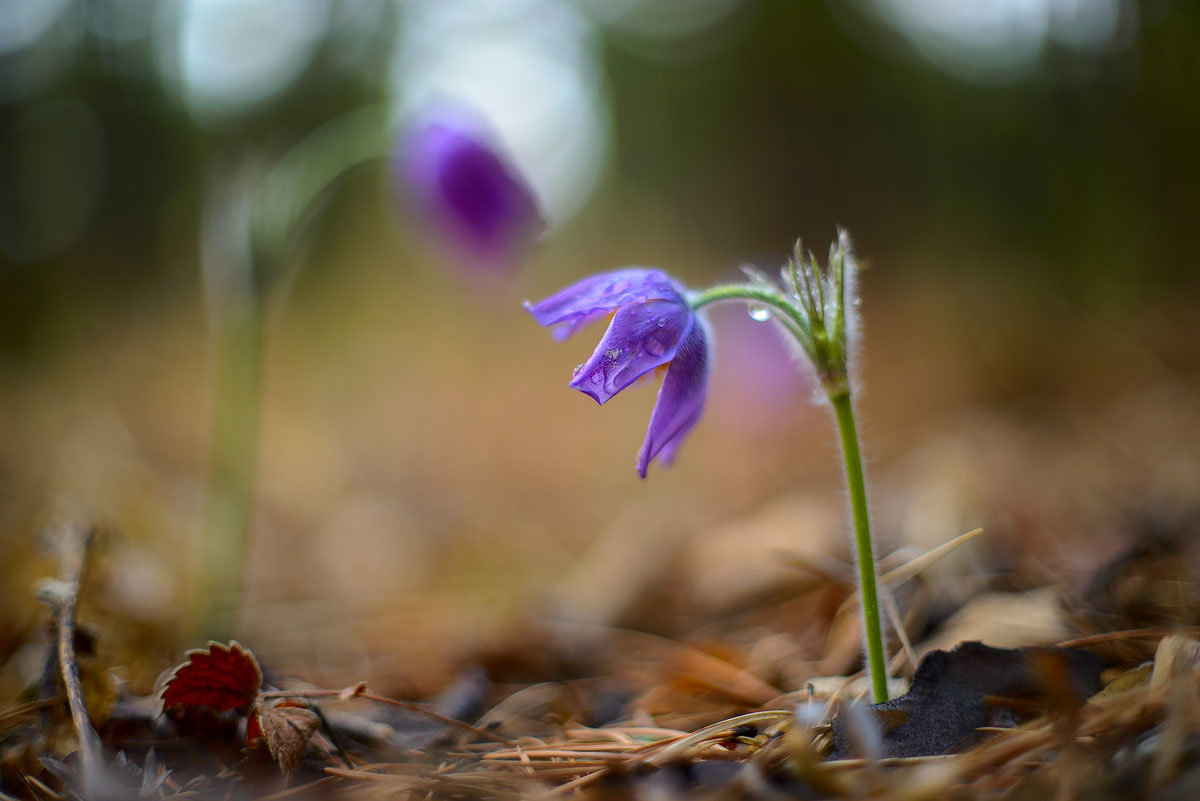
681	399
642	336
463	186
570	309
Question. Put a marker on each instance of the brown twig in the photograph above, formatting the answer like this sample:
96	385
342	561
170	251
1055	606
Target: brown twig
62	595
360	691
1129	634
893	613
17	713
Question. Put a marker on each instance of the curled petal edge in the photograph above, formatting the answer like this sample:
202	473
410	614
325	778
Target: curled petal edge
680	399
573	307
640	338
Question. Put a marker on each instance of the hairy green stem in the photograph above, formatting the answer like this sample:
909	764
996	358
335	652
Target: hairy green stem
815	340
793	320
876	660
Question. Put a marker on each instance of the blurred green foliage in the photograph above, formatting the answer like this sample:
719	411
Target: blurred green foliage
1088	170
785	118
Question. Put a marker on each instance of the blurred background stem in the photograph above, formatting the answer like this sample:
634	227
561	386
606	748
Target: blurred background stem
235	416
255	224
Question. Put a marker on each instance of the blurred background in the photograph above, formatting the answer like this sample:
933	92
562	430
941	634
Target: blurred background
1021	179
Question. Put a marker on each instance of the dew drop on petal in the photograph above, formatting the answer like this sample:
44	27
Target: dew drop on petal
578	368
758	312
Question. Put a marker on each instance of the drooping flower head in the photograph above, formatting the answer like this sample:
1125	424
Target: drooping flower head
652	325
480	207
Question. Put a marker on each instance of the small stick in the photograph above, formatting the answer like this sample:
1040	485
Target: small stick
889	605
918	563
702	738
1129	634
361	692
62	595
26	709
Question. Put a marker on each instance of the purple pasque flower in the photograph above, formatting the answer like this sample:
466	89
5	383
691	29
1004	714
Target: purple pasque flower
479	205
652	325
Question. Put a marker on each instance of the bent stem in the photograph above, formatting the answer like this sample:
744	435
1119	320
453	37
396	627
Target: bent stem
852	458
809	330
788	315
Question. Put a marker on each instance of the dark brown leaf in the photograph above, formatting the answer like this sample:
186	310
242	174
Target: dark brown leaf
948	700
286	730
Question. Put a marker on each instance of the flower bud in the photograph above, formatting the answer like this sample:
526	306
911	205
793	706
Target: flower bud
477	206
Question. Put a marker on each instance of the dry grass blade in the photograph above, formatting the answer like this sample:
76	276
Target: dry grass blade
893	613
702	738
40	790
890	762
455	784
16	714
915	566
360	691
1128	634
299	789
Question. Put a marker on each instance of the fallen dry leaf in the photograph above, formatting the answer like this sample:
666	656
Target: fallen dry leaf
948	701
286	730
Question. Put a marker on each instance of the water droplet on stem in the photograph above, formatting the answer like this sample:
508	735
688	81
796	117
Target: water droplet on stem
758	312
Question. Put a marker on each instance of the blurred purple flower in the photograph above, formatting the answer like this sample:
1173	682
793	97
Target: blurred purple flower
483	210
652	326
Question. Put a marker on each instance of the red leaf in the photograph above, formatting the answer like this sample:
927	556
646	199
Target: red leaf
223	677
254	728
